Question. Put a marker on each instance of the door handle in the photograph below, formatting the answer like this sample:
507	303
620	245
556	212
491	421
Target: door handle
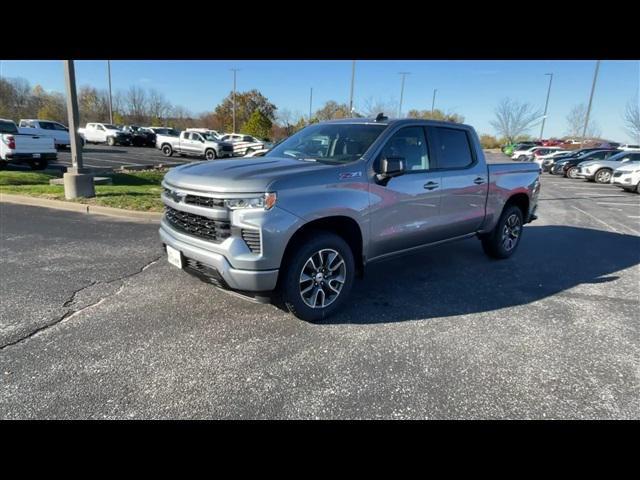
479	181
431	185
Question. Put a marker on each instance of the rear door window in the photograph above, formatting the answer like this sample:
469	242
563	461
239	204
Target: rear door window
452	147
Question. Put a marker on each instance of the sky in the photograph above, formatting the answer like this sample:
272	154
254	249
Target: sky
470	88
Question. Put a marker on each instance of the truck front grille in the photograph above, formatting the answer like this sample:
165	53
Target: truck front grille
252	239
204	201
227	148
204	272
198	226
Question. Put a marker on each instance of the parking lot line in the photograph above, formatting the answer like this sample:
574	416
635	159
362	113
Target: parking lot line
622	204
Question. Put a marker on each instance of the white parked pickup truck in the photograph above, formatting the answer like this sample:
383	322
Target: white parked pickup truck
194	143
46	128
104	133
16	147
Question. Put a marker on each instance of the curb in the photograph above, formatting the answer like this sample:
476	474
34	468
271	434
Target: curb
80	207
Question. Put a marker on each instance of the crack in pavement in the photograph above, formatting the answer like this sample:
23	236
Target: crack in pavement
72	313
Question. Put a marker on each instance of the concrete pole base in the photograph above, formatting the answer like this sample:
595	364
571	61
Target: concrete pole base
78	185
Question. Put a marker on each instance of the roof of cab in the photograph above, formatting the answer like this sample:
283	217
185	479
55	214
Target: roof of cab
397	121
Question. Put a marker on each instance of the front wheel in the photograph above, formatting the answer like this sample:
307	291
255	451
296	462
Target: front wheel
167	151
505	237
111	141
317	277
210	154
603	175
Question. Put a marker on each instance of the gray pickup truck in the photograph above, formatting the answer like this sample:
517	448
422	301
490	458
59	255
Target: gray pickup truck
300	223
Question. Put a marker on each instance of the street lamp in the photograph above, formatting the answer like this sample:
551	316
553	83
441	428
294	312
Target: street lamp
404	74
110	99
353	75
77	180
433	102
593	87
546	105
234	70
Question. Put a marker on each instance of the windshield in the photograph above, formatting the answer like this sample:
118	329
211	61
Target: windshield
329	142
210	137
110	127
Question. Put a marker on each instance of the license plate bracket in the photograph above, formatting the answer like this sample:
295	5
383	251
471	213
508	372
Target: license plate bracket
174	256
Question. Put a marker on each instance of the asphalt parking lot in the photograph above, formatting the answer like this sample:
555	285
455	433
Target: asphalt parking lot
105	157
96	324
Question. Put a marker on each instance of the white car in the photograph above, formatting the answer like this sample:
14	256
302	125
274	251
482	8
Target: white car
104	133
541	158
601	171
524	155
243	144
627	177
46	128
627	147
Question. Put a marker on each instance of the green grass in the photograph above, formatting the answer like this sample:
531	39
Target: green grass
131	191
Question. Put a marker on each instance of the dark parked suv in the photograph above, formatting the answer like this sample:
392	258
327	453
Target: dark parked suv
569	167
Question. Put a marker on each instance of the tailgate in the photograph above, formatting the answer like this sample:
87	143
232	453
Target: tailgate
34	144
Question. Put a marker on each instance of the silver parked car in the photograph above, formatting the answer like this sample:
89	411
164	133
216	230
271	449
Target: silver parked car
601	171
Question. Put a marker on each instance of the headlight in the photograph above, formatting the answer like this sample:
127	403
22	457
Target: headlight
267	201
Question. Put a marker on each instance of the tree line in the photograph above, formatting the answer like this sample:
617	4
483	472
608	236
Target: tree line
256	115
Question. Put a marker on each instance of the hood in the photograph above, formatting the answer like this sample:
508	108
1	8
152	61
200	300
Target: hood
628	167
239	175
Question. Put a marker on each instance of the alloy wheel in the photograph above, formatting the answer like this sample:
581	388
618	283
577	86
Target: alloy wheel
322	278
511	232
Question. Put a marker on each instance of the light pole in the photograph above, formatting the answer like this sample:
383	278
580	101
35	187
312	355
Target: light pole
593	87
77	181
310	102
433	102
404	74
110	99
234	70
353	76
546	104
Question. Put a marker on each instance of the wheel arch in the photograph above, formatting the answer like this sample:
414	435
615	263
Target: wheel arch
345	227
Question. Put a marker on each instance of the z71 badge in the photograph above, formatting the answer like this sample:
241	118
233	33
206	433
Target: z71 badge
348	175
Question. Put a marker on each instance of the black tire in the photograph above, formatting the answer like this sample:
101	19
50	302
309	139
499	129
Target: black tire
494	243
291	286
111	141
638	188
571	172
3	164
603	175
167	151
210	154
248	151
38	164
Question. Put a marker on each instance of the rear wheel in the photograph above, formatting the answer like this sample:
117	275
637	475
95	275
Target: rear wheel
248	151
637	187
603	175
111	141
572	172
317	277
505	237
38	164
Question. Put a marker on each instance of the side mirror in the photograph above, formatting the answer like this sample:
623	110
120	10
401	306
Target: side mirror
390	167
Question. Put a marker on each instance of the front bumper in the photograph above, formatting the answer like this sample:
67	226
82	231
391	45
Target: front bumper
584	174
624	180
232	278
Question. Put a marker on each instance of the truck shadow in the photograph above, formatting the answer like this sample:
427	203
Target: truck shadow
458	278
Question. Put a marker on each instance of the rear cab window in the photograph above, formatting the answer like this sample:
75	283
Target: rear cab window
8	127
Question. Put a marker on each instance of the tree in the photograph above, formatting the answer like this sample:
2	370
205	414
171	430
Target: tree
436	115
575	123
632	119
514	118
258	125
489	141
372	107
158	107
246	104
136	104
332	110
